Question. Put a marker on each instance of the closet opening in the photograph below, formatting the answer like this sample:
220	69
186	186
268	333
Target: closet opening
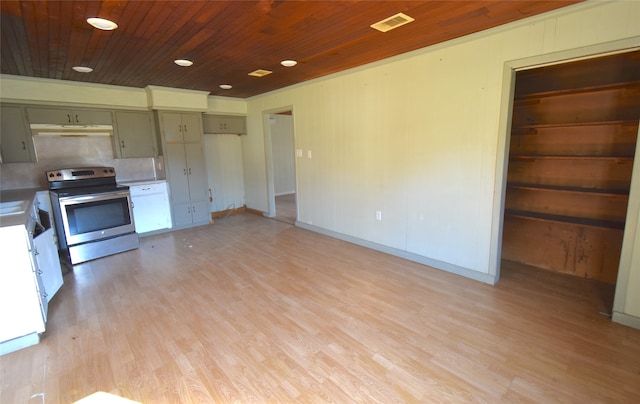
572	145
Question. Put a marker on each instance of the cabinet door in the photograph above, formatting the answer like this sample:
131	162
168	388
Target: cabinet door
15	140
182	214
196	172
224	124
20	309
50	115
92	117
192	128
176	166
200	212
49	263
134	134
150	207
63	116
171	124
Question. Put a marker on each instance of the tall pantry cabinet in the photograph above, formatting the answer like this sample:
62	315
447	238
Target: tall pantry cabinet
185	168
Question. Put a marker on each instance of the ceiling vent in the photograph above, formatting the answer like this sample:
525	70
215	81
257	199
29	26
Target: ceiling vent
260	73
392	22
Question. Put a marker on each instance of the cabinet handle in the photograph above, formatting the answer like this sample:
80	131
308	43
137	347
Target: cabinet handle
40	272
68	118
180	128
77	120
188	209
185	128
185	171
122	144
45	295
189	170
194	209
24	146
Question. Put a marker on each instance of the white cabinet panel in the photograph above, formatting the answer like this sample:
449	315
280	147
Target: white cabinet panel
48	263
151	210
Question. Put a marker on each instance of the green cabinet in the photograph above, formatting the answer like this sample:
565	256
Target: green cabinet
224	124
16	142
133	134
181	127
185	168
64	116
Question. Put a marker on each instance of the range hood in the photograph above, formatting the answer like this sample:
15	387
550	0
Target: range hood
45	129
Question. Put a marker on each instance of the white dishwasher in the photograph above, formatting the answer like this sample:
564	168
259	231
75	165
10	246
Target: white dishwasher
151	209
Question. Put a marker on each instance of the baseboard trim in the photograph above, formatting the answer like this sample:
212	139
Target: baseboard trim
227	212
443	266
626	319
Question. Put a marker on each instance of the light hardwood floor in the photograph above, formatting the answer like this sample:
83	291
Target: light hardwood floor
286	208
255	310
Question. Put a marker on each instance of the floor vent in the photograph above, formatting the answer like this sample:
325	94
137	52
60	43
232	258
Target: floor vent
392	22
260	73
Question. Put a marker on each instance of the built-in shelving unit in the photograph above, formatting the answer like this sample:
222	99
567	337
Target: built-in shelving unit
573	140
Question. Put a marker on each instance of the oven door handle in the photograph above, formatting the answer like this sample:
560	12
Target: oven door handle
94	197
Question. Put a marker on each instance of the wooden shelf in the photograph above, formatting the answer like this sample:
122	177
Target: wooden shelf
571	152
533	127
567	157
571	91
610	193
606	224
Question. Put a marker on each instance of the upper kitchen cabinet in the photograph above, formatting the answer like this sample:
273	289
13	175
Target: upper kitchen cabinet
16	143
134	134
181	127
224	124
59	116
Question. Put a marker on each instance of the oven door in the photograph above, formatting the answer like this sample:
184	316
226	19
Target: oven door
96	216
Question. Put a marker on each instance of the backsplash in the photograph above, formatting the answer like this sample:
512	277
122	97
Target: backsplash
66	152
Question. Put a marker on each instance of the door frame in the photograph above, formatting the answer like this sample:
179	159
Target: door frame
504	138
268	147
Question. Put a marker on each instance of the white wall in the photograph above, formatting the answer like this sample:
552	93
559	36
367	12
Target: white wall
282	146
417	137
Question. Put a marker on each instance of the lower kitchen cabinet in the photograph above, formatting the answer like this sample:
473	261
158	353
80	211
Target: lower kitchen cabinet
192	212
151	209
29	277
46	254
188	183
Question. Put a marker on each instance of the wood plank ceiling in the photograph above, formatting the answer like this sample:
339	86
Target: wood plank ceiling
226	40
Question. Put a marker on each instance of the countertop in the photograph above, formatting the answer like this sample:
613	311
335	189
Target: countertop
142	182
18	219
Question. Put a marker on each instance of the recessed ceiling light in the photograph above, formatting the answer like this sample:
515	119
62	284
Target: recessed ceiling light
102	24
82	69
288	63
226	86
183	62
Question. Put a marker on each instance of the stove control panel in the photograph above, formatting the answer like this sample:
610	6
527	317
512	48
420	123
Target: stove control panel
82	173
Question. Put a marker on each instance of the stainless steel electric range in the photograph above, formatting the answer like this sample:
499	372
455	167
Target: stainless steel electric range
93	214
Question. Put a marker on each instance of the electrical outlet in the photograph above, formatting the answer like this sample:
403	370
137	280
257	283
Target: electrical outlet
379	215
298	152
308	153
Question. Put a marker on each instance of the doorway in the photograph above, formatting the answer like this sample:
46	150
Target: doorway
572	144
281	142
